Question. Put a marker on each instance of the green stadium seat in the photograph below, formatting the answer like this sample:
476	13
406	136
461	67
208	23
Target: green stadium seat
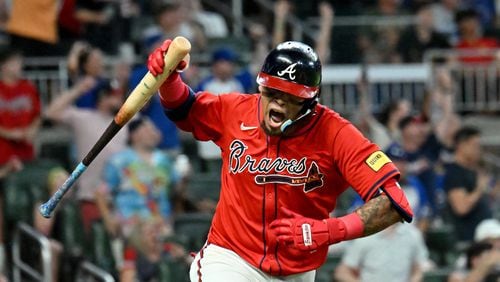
204	186
437	275
100	248
325	272
23	189
70	231
173	271
442	244
194	227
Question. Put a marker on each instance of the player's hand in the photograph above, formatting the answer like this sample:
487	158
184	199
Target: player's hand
156	60
304	233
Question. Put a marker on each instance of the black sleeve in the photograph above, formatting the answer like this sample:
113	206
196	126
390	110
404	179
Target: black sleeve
453	178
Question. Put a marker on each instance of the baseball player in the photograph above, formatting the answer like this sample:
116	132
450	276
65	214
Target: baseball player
286	159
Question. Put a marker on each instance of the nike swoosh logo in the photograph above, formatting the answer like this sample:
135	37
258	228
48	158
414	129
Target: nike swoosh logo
243	127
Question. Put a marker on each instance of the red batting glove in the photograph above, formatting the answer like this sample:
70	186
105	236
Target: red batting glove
156	60
307	234
173	92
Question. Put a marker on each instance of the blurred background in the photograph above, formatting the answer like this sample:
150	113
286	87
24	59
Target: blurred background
419	78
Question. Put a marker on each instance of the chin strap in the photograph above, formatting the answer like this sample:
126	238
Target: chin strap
308	106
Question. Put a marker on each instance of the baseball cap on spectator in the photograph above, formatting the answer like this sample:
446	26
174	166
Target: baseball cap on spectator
487	229
151	38
224	54
396	153
465	15
404	122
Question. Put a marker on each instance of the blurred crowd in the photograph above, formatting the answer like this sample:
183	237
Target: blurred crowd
150	174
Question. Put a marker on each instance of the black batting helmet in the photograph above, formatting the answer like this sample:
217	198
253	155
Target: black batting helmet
292	67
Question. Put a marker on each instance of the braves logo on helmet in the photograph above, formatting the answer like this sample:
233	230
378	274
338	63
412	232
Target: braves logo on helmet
290	70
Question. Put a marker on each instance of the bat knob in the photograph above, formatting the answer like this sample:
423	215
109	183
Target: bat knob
45	210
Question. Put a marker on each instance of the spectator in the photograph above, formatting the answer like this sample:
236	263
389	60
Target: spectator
87	126
33	28
13	165
416	191
19	111
139	181
55	178
322	46
438	110
214	25
466	185
443	13
472	40
170	141
415	40
486	233
378	42
223	79
384	130
483	263
85	60
396	254
172	20
99	24
148	249
417	148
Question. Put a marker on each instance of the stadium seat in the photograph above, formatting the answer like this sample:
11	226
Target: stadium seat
70	229
325	272
173	271
441	242
204	186
23	189
100	248
437	275
194	227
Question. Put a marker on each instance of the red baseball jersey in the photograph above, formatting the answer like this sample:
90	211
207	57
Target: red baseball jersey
305	173
19	107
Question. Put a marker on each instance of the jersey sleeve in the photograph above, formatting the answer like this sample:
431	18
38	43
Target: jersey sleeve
205	117
362	164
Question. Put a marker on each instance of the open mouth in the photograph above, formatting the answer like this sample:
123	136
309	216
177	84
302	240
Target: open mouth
276	118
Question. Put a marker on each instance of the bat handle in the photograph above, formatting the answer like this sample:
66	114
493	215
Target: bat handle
48	207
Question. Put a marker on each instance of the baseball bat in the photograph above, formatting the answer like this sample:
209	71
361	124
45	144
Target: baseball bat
147	87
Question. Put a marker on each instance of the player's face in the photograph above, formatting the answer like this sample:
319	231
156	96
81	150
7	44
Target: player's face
277	107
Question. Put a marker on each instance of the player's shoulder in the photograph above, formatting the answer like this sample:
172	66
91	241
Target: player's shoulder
235	100
330	118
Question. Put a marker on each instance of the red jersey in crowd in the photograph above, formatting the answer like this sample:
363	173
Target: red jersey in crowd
478	45
19	107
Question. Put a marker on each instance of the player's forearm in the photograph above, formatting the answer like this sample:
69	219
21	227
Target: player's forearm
173	92
377	214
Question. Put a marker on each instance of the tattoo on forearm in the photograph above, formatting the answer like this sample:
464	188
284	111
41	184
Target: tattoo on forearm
377	214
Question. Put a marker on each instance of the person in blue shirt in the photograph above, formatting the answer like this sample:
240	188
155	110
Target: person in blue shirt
170	141
139	181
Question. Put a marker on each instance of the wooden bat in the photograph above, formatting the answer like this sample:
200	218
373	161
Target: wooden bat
177	51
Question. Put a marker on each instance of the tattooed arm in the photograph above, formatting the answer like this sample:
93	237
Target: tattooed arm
377	214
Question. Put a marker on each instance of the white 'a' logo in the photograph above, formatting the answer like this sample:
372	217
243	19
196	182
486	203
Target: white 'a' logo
290	70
